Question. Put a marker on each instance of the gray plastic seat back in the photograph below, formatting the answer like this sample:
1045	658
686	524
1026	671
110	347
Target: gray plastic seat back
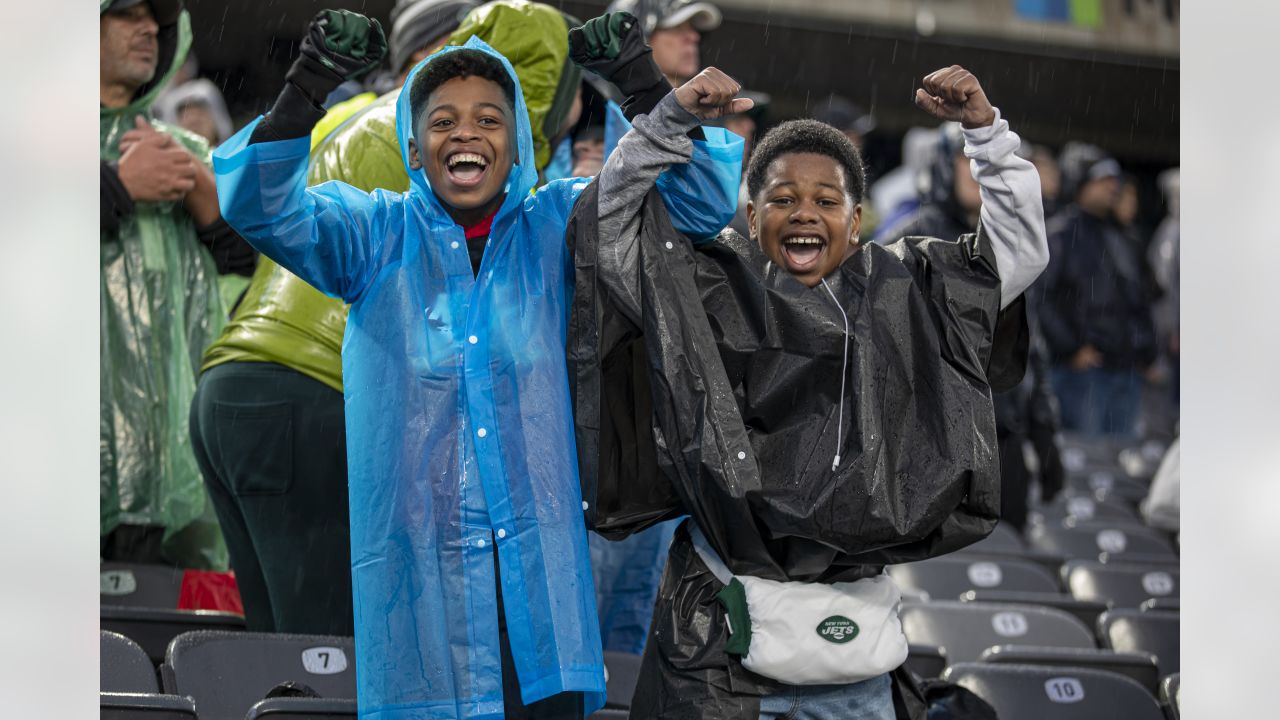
1122	585
154	586
1087	541
1154	631
1137	666
1028	692
964	630
947	578
140	706
229	672
123	666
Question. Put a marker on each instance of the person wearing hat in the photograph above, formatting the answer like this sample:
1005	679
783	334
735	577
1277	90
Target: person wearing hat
1096	307
163	246
674	29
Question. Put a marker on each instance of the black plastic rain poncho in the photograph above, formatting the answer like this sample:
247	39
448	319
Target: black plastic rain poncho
737	366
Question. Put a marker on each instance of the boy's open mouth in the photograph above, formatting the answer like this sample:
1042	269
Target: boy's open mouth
466	169
802	251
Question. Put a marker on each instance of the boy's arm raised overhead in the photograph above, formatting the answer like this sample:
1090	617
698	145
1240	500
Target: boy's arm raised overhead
656	141
327	235
700	194
1012	216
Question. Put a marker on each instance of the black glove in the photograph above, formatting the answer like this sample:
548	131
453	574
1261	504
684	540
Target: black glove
340	45
612	46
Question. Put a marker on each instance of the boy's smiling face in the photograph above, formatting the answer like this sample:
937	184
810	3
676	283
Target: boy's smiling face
804	216
465	140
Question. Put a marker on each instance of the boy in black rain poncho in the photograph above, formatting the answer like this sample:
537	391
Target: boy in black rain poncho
820	408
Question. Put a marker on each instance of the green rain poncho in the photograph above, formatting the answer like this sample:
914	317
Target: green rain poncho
159	307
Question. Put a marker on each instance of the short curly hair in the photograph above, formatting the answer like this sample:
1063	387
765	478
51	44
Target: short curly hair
458	64
807	136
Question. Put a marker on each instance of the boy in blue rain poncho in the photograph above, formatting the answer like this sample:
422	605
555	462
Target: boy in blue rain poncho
463	478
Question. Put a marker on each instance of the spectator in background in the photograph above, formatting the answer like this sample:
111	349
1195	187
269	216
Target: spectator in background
1165	257
950	201
1096	301
674	29
897	194
162	245
1050	177
197	106
745	125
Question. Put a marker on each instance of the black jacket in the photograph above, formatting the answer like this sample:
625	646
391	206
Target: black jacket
722	401
1096	291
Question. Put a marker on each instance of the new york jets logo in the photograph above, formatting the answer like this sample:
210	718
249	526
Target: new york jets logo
837	629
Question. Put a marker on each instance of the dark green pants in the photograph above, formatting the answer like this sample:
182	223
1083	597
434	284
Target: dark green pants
272	447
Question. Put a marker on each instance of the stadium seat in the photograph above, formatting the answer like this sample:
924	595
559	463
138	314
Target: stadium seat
302	708
139	706
154	628
1137	666
1086	611
947	578
1082	507
964	630
608	714
123	666
1154	632
1169	695
152	586
622	671
1023	692
1107	483
1121	585
1088	540
227	673
1161	604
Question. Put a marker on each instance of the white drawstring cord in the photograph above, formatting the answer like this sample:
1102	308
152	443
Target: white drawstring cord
844	370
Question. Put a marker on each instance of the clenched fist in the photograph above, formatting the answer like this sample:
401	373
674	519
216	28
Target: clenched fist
711	94
953	93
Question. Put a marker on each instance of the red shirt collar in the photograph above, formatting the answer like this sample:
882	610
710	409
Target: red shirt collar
480	229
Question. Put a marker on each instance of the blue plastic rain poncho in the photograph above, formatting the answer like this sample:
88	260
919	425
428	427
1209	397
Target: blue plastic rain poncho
458	422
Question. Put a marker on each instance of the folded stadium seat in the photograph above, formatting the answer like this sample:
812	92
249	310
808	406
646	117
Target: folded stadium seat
227	673
948	577
153	586
621	672
1082	507
964	630
1121	585
302	708
1169	695
1088	540
123	666
1086	611
926	661
1023	692
154	628
1107	483
1154	632
139	706
1137	666
1161	604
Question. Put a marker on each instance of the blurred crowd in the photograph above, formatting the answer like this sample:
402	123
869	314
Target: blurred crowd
221	379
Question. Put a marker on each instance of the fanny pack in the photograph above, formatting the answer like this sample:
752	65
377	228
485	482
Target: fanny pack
809	633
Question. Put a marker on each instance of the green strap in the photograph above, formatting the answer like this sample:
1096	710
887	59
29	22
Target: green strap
734	599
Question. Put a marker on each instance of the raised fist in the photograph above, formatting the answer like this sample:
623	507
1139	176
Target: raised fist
954	94
340	45
711	94
612	46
